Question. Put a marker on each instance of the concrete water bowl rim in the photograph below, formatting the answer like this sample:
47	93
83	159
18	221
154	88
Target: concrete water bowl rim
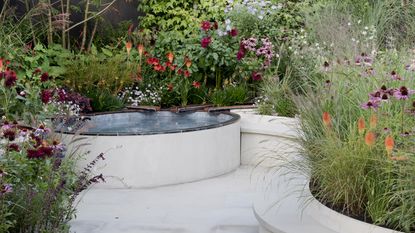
235	118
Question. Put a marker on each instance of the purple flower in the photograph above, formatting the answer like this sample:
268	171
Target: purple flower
205	41
402	93
363	60
368	72
6	188
371	104
395	76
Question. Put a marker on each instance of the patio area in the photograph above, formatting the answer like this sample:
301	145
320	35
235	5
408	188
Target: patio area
218	205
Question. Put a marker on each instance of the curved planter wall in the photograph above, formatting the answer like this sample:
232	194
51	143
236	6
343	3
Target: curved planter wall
295	210
265	137
137	161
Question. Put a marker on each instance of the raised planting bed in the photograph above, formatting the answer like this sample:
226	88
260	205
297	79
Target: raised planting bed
289	207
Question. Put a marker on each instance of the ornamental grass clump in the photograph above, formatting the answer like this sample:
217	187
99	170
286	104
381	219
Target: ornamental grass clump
359	140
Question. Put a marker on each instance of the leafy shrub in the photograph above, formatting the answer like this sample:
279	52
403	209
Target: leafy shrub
100	77
180	16
230	95
277	20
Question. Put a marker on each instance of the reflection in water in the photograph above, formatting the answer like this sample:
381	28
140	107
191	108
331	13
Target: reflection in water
153	122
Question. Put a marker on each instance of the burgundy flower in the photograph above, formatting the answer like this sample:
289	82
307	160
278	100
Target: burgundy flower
256	76
205	41
46	96
10	78
33	154
206	25
186	73
10	134
44	77
46	151
215	25
240	54
233	32
13	147
37	71
170	87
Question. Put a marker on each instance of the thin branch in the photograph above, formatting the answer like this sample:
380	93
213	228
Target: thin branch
97	14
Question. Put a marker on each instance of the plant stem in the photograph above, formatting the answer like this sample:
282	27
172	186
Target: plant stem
68	42
97	14
94	31
50	29
402	115
27	5
64	24
84	31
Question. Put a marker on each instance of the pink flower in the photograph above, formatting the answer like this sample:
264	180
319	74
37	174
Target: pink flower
205	41
206	25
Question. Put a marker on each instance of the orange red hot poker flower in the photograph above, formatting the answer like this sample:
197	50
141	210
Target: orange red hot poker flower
370	139
373	121
188	62
140	49
170	57
326	119
389	145
128	46
361	125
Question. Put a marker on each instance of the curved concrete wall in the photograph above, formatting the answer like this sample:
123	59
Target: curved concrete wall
163	159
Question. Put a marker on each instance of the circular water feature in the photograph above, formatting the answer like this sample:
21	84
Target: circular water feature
143	123
147	149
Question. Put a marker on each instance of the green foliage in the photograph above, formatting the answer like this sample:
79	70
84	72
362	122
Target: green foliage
104	101
181	16
276	98
277	20
100	76
230	95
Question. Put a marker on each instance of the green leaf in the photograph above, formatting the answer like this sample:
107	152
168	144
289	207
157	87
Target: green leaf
107	52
